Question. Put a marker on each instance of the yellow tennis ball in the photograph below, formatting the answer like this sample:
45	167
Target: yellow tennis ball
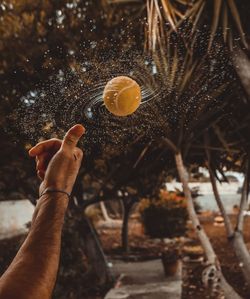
122	96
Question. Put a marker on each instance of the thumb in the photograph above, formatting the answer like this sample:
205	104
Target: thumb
72	137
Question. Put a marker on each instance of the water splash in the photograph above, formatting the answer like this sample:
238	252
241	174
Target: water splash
75	96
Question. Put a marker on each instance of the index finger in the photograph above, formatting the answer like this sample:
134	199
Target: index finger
45	146
72	137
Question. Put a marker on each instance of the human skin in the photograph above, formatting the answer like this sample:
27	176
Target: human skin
32	273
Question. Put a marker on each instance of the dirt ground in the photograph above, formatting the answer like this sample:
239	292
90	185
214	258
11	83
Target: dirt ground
144	247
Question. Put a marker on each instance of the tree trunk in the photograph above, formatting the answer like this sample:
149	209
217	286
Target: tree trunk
210	254
97	262
242	254
124	236
105	212
235	237
212	259
98	265
243	203
228	224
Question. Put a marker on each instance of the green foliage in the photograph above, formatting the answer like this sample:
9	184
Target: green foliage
165	216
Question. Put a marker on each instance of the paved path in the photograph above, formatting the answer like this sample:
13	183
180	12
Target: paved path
144	280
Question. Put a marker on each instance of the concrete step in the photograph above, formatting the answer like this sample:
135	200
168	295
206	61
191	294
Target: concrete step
170	290
144	280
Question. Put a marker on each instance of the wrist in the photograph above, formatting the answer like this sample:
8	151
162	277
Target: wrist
50	209
55	191
54	185
56	201
55	196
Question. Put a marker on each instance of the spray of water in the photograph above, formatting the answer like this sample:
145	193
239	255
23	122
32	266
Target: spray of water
76	96
173	89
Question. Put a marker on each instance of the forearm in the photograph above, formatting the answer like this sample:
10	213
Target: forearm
32	273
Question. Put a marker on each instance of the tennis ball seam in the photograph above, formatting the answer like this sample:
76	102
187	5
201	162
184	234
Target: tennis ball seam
132	83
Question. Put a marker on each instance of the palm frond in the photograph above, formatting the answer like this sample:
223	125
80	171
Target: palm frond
215	22
225	17
242	66
237	19
163	17
225	22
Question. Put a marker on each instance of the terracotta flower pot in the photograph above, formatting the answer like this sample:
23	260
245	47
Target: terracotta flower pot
170	261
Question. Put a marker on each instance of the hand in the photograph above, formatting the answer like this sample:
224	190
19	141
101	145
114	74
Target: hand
58	161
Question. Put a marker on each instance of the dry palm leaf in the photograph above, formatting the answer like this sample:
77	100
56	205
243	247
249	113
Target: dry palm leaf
226	18
166	16
217	7
163	16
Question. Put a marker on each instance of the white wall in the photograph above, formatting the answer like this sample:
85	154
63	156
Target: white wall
14	214
206	188
228	192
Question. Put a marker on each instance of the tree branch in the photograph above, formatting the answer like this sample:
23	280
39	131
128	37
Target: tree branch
170	145
243	202
219	202
212	259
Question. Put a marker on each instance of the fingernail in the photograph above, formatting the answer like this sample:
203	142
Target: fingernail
79	129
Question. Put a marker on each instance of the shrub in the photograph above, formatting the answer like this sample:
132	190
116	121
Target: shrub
164	216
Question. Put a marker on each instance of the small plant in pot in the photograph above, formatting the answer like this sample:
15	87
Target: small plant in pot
165	216
170	261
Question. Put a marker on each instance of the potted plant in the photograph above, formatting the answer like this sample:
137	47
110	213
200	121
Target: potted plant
170	261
